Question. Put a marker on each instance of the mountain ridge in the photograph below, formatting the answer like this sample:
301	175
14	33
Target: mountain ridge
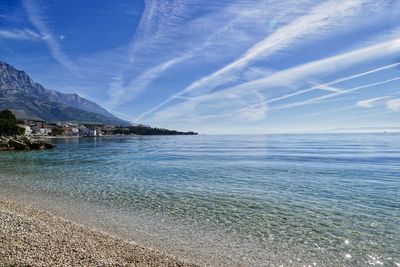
30	100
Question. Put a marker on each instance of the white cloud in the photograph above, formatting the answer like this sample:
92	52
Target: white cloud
228	109
139	84
294	76
17	34
393	104
329	96
164	22
324	68
326	87
369	103
322	18
35	17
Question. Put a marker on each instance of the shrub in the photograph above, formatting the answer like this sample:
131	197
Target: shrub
8	124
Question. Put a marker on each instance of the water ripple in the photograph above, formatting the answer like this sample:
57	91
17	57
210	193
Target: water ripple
324	199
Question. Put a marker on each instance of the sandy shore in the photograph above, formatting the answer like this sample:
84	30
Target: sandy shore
30	237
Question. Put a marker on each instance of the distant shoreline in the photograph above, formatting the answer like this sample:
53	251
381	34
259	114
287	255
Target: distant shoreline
106	136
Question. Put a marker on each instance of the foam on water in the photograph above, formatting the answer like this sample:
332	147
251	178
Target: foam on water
323	200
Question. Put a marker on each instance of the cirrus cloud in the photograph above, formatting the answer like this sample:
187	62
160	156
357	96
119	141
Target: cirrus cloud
18	34
369	103
393	104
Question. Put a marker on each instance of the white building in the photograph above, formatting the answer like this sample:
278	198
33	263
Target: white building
28	130
40	131
86	131
75	131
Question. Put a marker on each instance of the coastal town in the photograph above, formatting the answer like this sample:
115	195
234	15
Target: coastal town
70	129
27	134
11	126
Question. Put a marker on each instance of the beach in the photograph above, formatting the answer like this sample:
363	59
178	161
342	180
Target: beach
32	237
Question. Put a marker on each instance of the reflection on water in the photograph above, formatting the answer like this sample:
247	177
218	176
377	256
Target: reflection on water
236	200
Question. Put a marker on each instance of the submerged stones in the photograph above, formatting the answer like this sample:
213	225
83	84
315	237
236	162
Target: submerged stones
23	143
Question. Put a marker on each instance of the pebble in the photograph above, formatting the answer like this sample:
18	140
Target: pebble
30	237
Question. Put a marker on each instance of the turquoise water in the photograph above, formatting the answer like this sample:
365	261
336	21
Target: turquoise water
262	200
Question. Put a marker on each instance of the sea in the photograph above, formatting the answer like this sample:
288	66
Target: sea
226	200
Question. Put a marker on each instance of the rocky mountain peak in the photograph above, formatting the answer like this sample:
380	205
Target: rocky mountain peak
29	99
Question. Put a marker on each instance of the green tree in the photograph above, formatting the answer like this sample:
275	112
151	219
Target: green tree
57	131
8	124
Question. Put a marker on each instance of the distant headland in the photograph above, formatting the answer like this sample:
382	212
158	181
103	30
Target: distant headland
10	126
44	112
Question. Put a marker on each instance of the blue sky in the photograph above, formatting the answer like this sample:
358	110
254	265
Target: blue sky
237	66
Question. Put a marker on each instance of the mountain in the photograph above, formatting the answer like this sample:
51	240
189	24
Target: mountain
30	100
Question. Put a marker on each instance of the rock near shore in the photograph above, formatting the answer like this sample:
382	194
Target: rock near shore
23	143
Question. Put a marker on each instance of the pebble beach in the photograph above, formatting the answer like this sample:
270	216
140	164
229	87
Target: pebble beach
31	237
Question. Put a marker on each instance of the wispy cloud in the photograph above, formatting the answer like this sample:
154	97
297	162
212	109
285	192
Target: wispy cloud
334	92
329	96
293	76
393	104
371	102
35	17
326	87
324	68
17	34
321	18
231	25
125	93
155	22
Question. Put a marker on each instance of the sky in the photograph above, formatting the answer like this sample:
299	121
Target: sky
223	66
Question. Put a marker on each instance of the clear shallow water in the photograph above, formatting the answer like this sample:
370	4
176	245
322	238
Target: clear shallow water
323	200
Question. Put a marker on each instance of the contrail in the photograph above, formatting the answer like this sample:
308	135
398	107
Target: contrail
322	15
339	80
317	99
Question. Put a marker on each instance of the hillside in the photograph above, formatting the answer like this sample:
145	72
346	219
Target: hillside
30	100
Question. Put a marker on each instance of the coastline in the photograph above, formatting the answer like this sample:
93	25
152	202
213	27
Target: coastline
34	237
